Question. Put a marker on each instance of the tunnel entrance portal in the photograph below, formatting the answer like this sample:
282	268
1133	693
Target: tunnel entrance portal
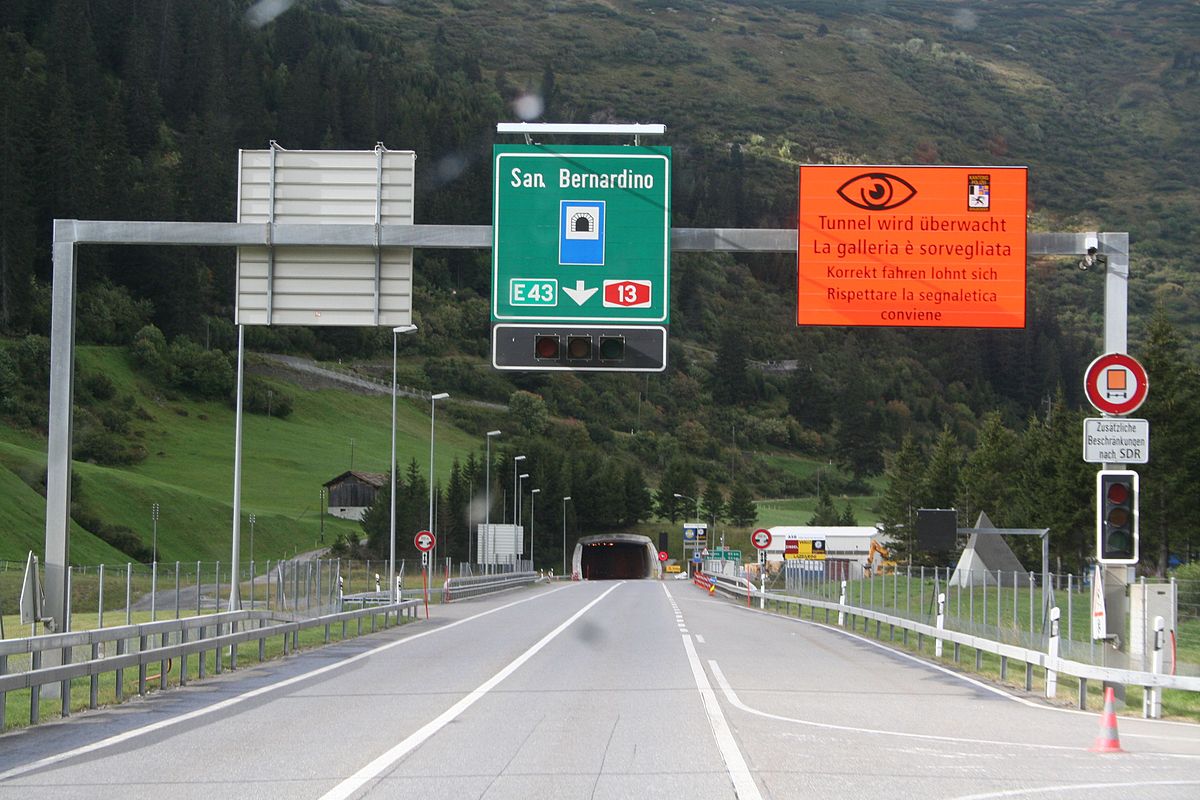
616	556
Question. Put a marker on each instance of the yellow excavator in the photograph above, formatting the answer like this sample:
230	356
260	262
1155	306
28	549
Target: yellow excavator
886	564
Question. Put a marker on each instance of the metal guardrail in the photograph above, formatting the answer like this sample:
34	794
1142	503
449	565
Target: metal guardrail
190	635
462	588
1047	659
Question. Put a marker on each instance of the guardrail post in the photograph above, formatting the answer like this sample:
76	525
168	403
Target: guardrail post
1052	653
3	695
262	642
183	659
200	665
94	694
941	623
218	667
162	665
1028	676
141	666
65	686
35	692
1083	694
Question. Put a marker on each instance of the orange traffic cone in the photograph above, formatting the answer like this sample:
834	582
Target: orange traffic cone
1108	741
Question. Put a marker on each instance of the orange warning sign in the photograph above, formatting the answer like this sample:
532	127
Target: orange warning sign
938	247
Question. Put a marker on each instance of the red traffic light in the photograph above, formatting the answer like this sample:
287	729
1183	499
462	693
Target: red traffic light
1118	492
546	347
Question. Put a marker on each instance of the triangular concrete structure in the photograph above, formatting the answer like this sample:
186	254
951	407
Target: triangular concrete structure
984	554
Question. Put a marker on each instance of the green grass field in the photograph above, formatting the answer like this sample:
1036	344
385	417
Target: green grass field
189	469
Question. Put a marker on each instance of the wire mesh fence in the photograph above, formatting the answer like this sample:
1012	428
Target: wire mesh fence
1010	607
104	595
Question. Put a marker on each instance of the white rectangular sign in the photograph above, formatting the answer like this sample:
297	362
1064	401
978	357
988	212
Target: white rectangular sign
1099	620
1116	440
317	285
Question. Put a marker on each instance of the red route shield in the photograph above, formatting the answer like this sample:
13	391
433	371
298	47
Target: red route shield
627	294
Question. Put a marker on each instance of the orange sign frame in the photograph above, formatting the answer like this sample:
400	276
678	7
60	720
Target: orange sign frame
901	246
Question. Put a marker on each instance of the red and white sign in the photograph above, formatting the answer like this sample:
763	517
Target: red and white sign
662	555
761	539
627	294
424	541
1116	383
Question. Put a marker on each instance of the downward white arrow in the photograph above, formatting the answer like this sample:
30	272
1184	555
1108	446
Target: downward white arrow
580	294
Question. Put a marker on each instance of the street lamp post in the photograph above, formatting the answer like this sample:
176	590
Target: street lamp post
564	526
516	502
399	329
433	398
154	519
154	564
520	511
532	492
487	496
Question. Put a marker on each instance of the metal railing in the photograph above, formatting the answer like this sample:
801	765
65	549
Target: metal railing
462	588
848	615
84	654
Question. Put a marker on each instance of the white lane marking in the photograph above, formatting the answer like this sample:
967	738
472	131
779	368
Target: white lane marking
699	638
415	740
736	702
743	782
979	684
250	695
1058	789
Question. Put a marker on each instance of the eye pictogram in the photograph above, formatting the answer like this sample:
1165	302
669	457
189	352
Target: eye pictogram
877	191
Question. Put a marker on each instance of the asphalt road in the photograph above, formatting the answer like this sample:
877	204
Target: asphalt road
596	690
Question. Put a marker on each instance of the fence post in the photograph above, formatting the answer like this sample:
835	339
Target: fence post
177	607
128	594
198	586
1070	616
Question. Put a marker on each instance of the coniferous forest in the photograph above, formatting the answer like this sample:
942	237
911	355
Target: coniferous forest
136	109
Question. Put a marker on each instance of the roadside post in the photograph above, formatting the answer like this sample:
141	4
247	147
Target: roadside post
425	541
762	540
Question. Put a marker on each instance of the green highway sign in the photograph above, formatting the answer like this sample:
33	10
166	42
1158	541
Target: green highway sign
581	234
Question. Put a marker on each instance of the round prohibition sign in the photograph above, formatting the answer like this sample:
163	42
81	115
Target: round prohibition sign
662	555
424	541
1116	383
761	539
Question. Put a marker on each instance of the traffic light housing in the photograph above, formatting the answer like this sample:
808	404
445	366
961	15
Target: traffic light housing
1117	516
579	348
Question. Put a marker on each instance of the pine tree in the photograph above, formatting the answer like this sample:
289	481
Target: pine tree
742	512
712	504
825	514
1168	508
903	496
987	481
847	517
940	480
